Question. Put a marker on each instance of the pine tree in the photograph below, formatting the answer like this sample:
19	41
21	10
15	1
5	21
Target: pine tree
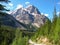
55	28
54	16
4	1
2	8
54	21
19	40
57	31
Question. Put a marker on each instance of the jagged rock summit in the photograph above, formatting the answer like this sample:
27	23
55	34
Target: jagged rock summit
29	15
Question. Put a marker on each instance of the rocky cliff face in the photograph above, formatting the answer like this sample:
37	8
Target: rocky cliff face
29	15
8	20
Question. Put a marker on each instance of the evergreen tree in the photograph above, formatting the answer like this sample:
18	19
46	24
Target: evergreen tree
54	17
2	8
4	1
43	30
19	40
56	34
54	21
54	14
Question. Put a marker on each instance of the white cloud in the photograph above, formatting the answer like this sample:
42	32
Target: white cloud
42	13
58	13
10	4
9	12
45	14
19	6
27	3
58	3
10	8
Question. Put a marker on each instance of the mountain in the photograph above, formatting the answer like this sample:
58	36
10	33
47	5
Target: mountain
29	15
32	9
8	20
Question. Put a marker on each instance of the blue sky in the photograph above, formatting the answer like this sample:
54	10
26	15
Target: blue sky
44	6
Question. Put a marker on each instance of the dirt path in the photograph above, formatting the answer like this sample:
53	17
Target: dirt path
33	43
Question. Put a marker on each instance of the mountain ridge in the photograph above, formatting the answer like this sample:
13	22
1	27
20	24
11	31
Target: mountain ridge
29	15
9	20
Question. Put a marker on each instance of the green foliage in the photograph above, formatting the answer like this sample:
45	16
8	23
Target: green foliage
19	40
2	8
57	31
50	30
6	35
12	36
43	30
